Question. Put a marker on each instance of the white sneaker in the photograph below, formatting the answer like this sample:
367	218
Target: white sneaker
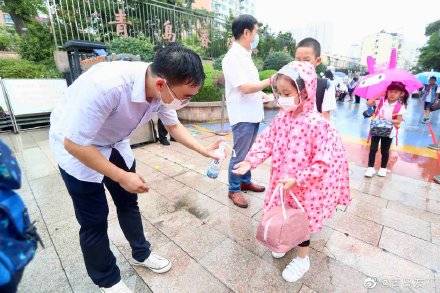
156	263
117	288
370	172
296	269
278	254
382	172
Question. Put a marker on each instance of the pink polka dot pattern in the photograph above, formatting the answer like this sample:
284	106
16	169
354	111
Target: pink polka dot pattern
304	146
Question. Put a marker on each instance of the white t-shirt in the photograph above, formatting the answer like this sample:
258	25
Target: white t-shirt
329	100
239	69
386	112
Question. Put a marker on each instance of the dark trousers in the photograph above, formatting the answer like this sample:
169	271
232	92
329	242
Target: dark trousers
91	211
385	145
244	134
161	130
11	287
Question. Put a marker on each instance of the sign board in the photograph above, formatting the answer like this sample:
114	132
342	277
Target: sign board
32	96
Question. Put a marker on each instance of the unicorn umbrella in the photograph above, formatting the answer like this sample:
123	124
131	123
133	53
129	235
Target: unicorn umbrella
379	78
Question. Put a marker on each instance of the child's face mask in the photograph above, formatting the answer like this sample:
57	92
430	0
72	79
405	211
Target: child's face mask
286	94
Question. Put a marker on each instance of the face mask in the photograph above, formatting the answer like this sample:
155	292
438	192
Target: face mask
255	42
175	104
287	103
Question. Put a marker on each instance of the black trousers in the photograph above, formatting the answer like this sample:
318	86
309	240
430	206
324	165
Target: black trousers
91	211
385	145
161	130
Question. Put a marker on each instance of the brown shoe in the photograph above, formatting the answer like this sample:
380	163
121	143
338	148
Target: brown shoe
252	187
238	199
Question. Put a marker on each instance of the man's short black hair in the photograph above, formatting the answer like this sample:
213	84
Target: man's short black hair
242	22
311	43
178	65
433	78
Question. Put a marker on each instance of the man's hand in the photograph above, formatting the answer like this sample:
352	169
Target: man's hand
267	98
242	168
133	183
288	183
211	151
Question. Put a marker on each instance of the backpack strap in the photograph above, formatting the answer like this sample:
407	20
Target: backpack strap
396	111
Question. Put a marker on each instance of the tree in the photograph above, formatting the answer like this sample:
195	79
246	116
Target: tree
22	11
430	54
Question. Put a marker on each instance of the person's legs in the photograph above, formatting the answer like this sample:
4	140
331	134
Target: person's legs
246	178
91	211
296	269
243	135
128	211
426	113
385	146
373	150
162	132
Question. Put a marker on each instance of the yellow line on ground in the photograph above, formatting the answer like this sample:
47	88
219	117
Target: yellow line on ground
425	152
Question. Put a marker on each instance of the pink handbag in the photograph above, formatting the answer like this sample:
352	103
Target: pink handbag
282	229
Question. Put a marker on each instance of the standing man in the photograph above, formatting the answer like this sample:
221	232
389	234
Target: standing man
309	50
89	138
244	101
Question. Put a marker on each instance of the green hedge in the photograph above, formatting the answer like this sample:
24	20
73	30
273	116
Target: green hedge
276	60
210	92
20	68
9	40
129	45
37	44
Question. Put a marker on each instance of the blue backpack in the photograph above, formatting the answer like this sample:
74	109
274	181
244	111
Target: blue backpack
18	236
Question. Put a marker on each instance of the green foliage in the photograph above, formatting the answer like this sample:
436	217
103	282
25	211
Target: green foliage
129	45
210	91
13	68
194	44
265	74
432	28
27	9
259	63
217	64
9	40
276	60
269	42
430	54
37	44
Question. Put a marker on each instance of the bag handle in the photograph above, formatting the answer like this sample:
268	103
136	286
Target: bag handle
280	189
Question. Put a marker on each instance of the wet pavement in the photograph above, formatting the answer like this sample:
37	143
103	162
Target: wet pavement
388	239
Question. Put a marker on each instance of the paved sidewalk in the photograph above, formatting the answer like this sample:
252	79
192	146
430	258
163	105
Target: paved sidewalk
388	238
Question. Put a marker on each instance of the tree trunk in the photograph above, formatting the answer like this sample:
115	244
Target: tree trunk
18	23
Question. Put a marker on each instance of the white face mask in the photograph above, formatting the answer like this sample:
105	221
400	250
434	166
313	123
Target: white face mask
287	103
175	104
255	42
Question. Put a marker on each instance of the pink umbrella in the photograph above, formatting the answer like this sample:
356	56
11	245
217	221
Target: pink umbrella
375	83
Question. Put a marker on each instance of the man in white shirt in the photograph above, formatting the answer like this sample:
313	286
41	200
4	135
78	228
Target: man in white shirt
309	50
244	101
89	138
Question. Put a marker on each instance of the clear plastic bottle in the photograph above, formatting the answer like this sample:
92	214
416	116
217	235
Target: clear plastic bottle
214	165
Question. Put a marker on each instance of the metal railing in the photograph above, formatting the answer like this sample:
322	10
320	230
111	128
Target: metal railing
102	20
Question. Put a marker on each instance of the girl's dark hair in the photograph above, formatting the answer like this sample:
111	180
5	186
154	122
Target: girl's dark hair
399	86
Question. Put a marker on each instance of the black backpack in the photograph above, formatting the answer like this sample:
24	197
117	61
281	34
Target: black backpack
322	85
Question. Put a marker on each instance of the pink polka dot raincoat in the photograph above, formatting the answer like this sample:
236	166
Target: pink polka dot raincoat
304	146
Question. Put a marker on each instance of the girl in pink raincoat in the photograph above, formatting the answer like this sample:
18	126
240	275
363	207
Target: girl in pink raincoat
308	157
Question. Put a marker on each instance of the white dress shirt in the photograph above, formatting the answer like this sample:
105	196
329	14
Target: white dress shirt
239	69
329	101
102	108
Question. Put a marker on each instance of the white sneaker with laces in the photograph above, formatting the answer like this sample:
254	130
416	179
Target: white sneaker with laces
296	269
117	288
156	263
278	254
382	172
370	172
